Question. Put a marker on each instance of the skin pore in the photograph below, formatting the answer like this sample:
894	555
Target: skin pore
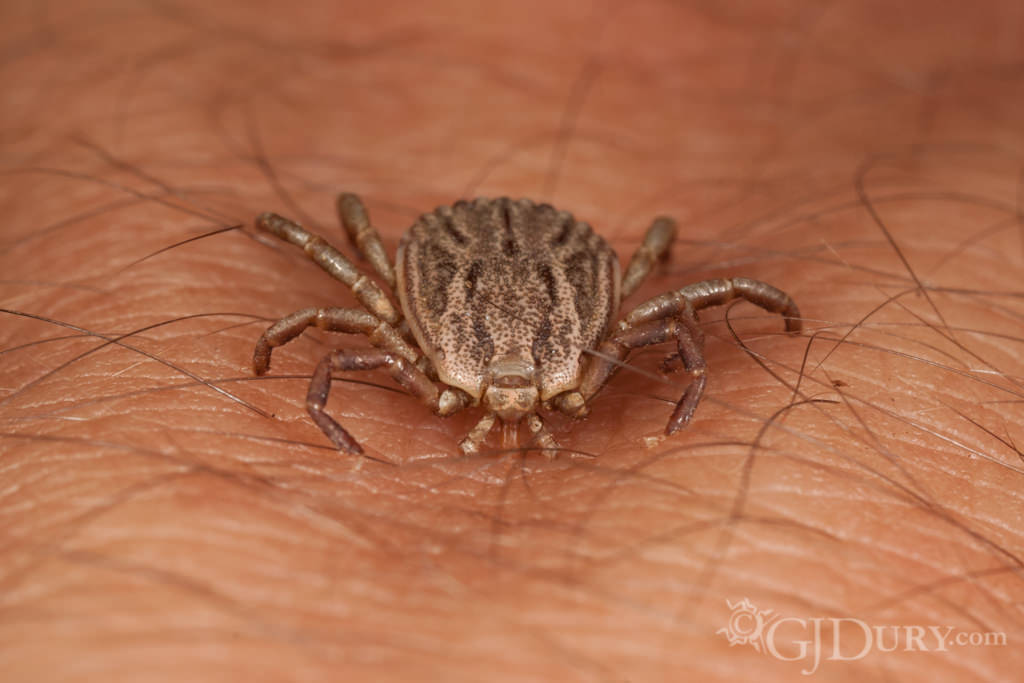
166	515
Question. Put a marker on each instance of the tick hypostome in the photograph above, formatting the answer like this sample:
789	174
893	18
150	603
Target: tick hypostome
502	302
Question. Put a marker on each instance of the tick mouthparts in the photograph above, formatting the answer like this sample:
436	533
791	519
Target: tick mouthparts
512	371
509	435
512	382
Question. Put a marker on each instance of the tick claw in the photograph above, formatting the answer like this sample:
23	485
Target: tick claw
670	364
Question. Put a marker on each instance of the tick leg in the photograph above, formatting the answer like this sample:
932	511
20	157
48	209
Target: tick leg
686	331
334	262
674	315
692	321
655	245
364	236
611	354
349	320
690	342
405	373
320	387
716	292
542	437
608	358
471	444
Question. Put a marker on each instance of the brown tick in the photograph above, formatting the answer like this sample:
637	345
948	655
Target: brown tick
507	303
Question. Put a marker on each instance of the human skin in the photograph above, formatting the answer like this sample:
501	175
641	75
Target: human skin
863	159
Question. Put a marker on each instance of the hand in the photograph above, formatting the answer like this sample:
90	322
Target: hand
166	514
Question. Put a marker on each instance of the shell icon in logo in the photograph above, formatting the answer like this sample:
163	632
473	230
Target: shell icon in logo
747	624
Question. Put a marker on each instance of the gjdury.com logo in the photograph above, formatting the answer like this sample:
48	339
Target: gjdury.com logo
844	639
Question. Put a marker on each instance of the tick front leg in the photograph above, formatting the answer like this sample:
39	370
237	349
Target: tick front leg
689	339
674	315
542	436
470	446
690	344
405	373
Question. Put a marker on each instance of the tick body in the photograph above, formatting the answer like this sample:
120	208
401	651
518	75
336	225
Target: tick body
502	303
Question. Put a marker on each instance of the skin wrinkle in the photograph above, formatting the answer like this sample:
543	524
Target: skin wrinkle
154	529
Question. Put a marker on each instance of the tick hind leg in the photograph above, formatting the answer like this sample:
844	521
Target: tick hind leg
655	246
364	236
334	262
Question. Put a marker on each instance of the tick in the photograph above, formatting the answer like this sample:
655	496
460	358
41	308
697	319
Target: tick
507	304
